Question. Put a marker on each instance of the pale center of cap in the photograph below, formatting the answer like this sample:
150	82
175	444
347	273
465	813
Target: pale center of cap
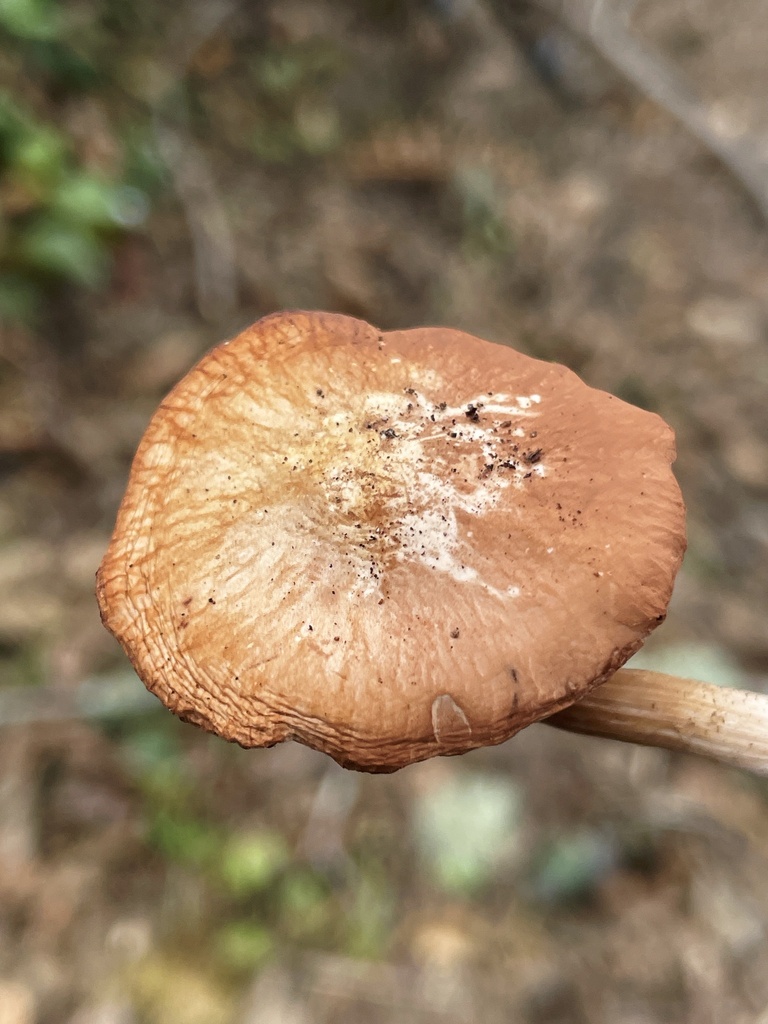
396	473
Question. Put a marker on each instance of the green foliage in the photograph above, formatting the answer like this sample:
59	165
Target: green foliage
570	867
484	230
87	201
296	113
20	299
59	218
370	916
466	828
251	862
142	167
304	907
154	756
243	946
38	154
286	72
49	245
65	216
265	896
29	19
26	666
183	838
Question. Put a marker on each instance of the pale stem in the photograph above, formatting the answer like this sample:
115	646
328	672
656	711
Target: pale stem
658	710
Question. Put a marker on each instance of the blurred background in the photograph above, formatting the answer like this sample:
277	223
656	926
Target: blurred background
586	181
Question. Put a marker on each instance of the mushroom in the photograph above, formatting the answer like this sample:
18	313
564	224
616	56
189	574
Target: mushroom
659	710
393	546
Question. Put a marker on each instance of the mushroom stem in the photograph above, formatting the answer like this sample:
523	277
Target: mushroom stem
658	710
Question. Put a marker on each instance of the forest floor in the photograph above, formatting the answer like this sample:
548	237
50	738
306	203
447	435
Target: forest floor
409	164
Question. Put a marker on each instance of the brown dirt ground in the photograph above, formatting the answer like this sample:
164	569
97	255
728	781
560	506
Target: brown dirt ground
439	172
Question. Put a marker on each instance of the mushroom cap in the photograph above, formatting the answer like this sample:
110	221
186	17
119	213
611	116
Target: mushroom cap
387	546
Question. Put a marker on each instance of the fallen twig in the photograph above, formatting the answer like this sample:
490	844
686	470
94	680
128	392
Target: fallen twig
605	24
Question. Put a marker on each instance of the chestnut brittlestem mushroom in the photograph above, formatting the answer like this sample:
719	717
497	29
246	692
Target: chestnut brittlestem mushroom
658	710
392	546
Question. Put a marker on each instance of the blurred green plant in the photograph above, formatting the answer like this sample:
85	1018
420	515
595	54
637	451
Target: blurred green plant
183	838
485	233
467	828
59	218
304	907
155	757
293	89
262	895
243	946
24	668
252	861
370	914
570	867
29	19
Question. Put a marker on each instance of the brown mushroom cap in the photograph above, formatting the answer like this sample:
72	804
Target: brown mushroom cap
387	546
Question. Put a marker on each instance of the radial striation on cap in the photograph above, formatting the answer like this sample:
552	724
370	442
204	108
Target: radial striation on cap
387	546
